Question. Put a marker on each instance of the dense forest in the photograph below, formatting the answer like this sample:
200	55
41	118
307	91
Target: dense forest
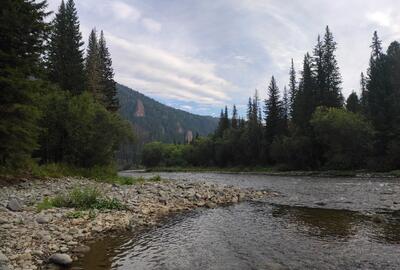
153	121
310	126
57	103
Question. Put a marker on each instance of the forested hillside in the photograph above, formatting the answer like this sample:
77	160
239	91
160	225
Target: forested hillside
154	121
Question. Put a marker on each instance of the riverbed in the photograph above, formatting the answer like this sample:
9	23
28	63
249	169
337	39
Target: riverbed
316	223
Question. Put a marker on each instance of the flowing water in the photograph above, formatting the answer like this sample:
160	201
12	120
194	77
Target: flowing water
317	223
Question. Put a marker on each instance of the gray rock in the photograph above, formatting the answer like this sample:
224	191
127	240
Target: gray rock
14	205
60	259
43	219
4	262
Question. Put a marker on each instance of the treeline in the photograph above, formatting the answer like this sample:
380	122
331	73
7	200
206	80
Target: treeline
57	105
310	126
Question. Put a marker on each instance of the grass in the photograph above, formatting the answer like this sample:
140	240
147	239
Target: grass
83	199
106	174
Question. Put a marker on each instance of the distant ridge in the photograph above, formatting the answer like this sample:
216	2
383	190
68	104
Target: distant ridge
154	121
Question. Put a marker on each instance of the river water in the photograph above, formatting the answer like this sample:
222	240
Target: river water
316	223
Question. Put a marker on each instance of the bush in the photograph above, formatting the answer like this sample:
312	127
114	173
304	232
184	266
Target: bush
79	131
346	138
82	198
296	152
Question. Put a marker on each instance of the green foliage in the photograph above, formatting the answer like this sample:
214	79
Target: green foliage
22	31
82	198
353	103
78	131
346	137
65	56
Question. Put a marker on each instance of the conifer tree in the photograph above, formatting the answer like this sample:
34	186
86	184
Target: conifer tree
235	121
364	92
305	101
22	32
65	57
107	76
285	105
93	69
333	78
353	103
292	87
273	112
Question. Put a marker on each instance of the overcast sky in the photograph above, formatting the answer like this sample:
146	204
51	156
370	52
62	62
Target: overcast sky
198	55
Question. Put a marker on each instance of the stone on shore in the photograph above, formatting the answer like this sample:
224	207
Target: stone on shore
14	205
60	259
3	262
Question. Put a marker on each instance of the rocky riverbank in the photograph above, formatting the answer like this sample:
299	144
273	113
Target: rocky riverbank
32	240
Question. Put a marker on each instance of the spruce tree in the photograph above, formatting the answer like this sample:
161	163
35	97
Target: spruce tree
328	79
285	105
22	32
353	103
93	69
292	87
364	92
107	76
65	56
306	98
273	113
333	78
235	121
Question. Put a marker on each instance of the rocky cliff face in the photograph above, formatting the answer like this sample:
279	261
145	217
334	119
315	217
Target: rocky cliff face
139	109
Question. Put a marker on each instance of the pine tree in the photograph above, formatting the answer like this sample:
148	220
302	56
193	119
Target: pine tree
364	92
65	57
292	88
235	121
22	32
93	69
328	79
285	105
332	74
353	103
305	101
273	112
107	76
379	91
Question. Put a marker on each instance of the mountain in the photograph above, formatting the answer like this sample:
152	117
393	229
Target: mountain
154	121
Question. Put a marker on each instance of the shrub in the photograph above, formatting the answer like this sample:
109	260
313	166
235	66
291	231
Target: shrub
345	137
82	198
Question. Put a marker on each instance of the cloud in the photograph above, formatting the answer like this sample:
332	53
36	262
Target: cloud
124	11
151	25
379	17
168	75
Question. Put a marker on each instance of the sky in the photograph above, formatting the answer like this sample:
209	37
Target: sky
200	55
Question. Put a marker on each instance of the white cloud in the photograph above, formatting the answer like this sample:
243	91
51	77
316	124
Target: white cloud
379	17
124	11
168	75
151	25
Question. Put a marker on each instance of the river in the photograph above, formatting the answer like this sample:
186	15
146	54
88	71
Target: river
316	223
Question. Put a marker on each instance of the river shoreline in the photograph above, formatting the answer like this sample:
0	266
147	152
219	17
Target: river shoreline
30	238
271	172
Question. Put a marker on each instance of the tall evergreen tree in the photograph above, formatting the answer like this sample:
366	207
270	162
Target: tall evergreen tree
328	79
363	91
22	32
332	74
235	120
305	101
273	113
285	105
107	76
93	69
65	57
292	87
353	103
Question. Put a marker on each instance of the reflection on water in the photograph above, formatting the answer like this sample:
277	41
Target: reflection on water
256	236
318	223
